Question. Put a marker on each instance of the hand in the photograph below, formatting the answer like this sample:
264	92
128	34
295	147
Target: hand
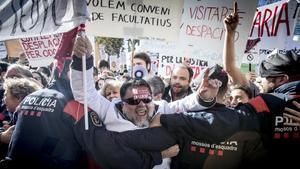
209	88
170	152
82	47
251	76
6	135
231	21
292	114
155	122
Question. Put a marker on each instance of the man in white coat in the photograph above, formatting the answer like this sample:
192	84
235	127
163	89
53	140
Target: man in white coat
136	108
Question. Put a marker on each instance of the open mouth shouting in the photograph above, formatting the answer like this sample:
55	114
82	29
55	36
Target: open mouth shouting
141	111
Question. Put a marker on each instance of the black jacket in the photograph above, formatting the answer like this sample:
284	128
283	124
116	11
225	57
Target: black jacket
222	137
167	97
284	141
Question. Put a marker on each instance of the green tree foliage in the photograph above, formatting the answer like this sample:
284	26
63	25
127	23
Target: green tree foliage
132	44
113	46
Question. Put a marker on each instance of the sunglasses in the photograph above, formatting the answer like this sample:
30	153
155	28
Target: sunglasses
132	101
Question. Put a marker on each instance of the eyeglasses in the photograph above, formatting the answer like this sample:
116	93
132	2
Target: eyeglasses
132	101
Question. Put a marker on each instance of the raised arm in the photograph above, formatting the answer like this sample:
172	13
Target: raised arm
203	98
95	101
229	57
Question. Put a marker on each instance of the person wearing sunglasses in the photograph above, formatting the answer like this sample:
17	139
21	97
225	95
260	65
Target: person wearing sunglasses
135	109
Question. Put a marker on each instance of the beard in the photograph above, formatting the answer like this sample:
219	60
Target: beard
179	91
142	122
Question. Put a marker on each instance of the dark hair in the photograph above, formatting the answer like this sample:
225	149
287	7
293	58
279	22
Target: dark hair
43	78
3	66
244	88
104	63
45	70
95	71
217	72
188	68
157	85
145	57
133	83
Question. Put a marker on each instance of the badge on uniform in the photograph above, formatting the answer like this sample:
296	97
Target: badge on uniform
95	119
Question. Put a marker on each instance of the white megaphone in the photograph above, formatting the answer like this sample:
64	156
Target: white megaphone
139	71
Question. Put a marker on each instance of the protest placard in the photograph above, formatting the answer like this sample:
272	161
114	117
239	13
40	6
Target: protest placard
135	19
19	19
273	25
41	51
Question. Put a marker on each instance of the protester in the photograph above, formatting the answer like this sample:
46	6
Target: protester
103	65
111	89
3	69
4	115
229	58
157	87
19	71
240	94
15	91
142	59
180	83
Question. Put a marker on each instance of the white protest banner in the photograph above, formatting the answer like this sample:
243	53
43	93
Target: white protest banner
3	52
155	19
41	51
273	28
28	18
203	30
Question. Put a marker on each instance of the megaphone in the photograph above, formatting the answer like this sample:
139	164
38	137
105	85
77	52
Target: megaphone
139	71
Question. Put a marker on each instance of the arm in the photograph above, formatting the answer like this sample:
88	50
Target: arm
230	23
5	136
190	103
109	148
203	98
95	101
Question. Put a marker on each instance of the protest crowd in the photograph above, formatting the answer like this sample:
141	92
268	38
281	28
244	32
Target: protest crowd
73	116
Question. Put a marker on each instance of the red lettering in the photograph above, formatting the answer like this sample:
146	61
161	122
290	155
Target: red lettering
205	31
265	21
37	54
168	70
285	20
190	30
263	24
29	54
256	23
274	21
